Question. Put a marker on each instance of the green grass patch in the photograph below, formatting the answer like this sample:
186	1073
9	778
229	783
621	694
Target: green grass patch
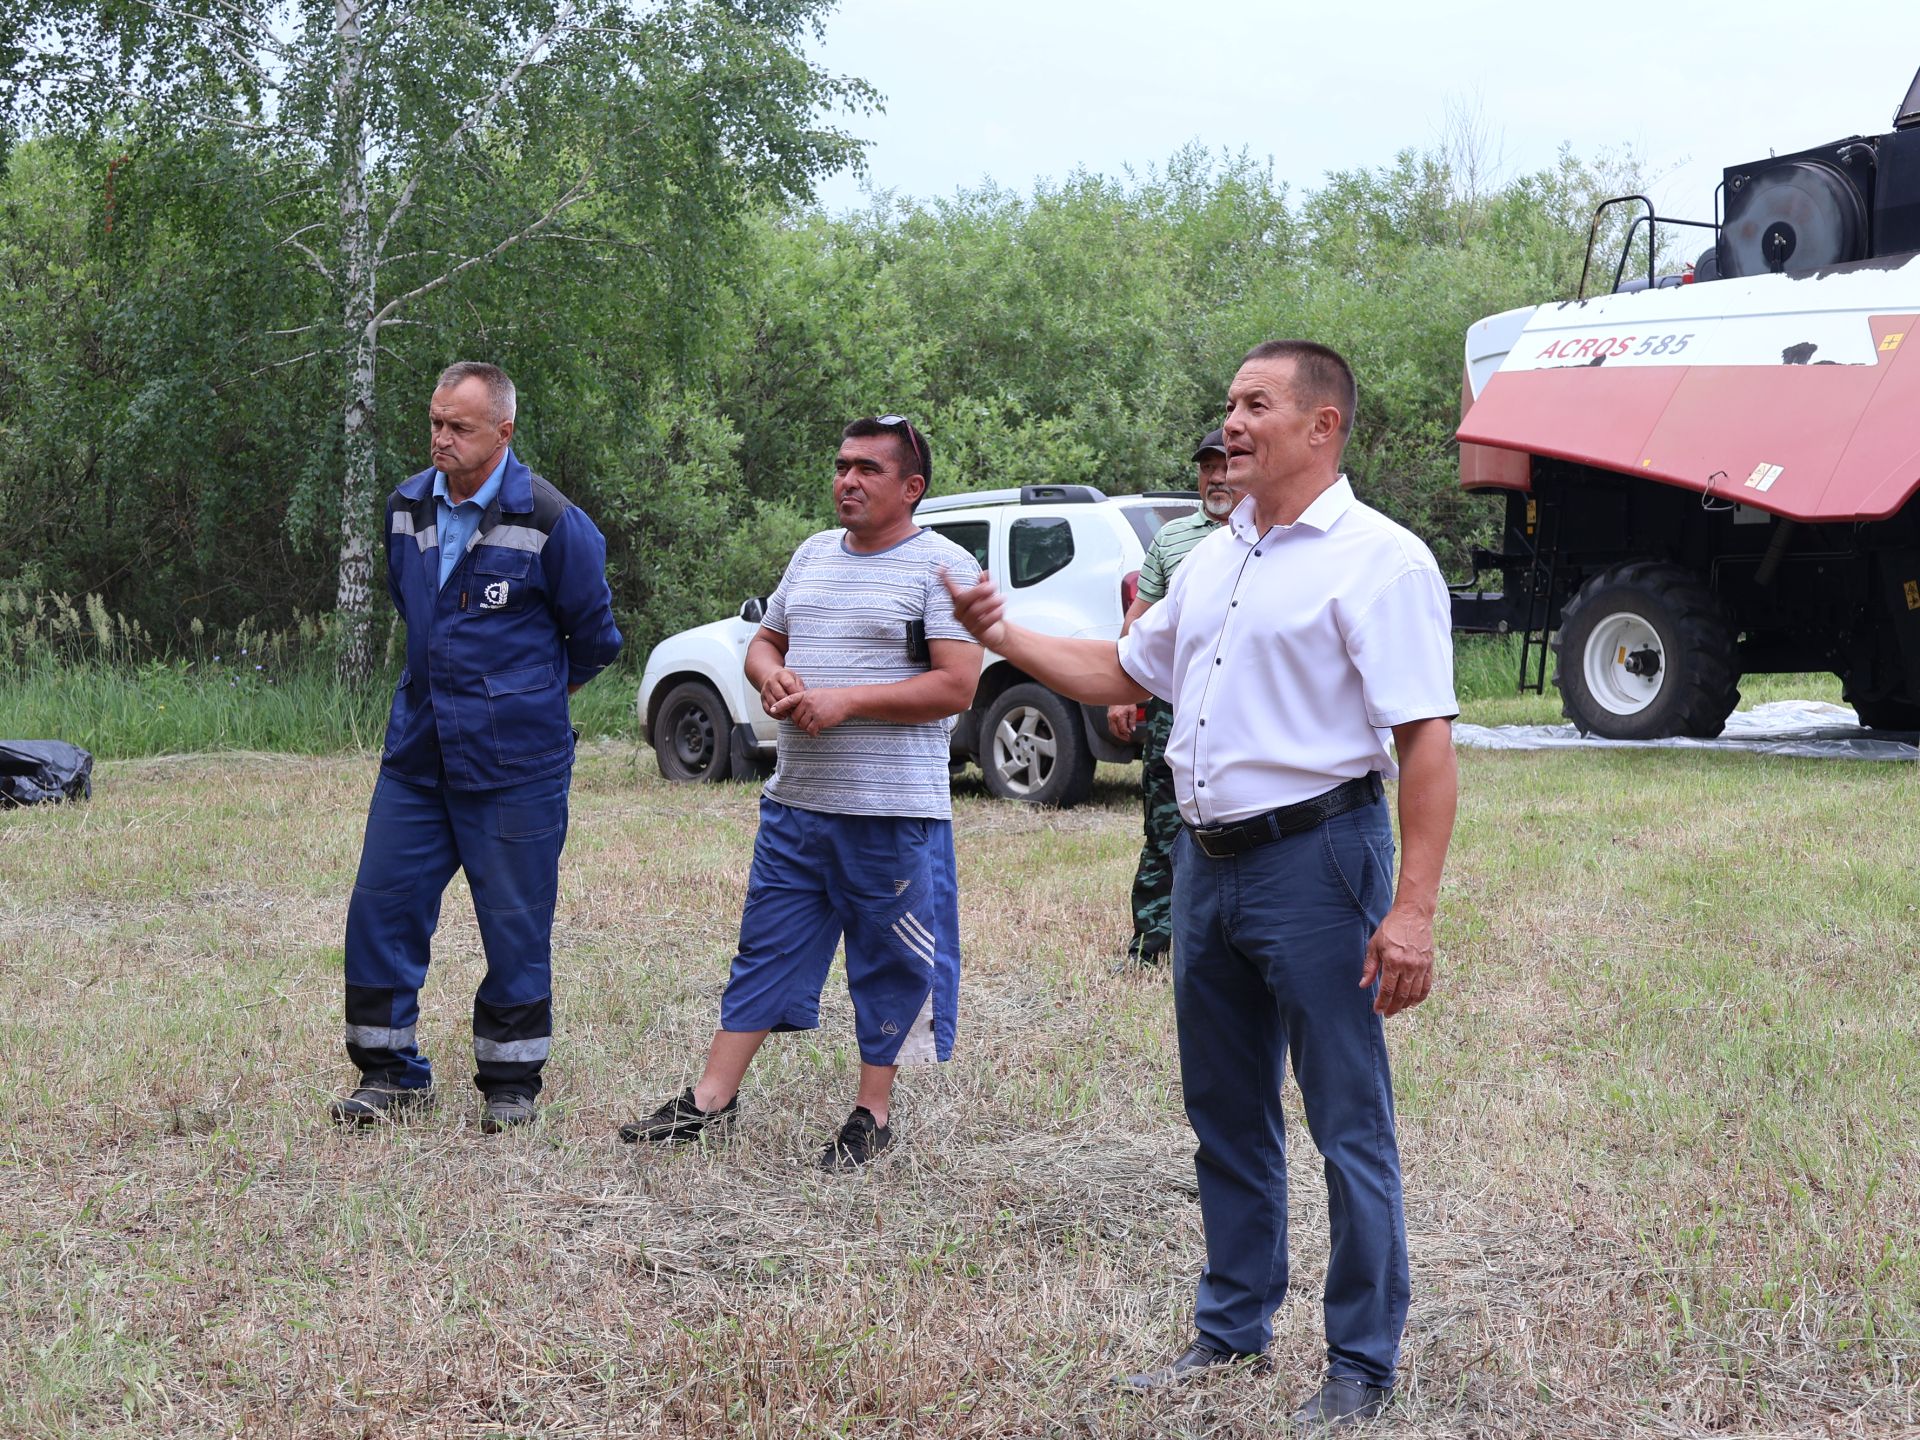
223	703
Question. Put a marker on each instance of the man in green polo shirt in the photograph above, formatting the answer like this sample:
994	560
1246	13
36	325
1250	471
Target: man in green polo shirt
1153	881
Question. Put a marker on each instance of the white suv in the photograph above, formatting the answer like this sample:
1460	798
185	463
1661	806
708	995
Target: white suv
1067	558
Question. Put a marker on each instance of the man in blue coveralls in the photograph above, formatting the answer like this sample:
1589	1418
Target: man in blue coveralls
501	581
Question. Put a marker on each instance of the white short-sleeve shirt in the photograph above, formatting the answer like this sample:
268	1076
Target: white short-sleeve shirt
1289	655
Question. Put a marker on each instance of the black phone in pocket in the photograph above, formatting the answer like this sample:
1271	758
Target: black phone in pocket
917	643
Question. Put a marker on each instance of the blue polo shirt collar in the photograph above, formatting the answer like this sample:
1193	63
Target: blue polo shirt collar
457	523
489	488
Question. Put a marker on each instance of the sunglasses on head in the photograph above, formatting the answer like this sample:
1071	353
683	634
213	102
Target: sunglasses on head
901	422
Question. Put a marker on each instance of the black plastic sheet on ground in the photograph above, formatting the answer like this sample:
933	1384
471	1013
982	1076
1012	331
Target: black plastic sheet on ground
41	772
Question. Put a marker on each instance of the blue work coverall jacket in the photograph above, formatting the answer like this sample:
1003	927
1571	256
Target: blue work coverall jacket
491	654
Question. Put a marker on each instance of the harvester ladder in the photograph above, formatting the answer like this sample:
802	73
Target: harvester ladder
1542	571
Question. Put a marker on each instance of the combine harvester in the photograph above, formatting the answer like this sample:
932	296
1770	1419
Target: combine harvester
1713	473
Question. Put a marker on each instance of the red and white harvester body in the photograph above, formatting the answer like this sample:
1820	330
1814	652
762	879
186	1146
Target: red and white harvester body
1713	473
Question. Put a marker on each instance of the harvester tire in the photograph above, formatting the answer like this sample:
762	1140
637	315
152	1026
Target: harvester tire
1886	714
1645	651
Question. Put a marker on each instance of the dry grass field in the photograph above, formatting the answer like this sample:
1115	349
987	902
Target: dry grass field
1659	1123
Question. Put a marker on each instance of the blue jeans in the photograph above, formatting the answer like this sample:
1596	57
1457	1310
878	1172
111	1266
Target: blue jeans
508	841
1268	950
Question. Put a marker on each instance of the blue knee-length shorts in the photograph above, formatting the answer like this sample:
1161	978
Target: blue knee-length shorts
886	883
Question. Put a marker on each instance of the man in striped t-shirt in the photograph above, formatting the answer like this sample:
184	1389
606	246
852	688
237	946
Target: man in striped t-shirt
1153	877
861	661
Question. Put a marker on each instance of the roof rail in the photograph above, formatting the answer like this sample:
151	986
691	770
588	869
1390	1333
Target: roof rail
1169	494
953	500
1060	495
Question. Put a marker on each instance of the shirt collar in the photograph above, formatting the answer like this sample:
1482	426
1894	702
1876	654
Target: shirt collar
484	496
1327	507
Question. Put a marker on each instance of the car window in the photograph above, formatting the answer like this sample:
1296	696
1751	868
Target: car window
1147	519
1038	547
969	535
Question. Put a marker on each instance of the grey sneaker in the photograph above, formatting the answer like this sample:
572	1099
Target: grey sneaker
506	1109
373	1103
859	1140
679	1119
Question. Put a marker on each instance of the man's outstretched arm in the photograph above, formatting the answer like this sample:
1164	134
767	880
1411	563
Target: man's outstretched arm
1084	670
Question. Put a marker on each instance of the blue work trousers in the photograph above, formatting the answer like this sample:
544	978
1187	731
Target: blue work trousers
1268	950
508	841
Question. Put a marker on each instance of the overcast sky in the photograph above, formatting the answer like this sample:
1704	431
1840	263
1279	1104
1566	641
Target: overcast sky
1014	90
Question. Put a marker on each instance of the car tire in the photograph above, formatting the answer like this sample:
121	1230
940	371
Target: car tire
691	739
1646	651
1032	748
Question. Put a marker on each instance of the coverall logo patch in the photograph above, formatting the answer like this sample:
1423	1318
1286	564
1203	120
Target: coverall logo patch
494	596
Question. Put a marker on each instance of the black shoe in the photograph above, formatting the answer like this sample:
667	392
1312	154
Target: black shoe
1191	1363
1341	1402
506	1109
1143	962
679	1119
859	1140
373	1103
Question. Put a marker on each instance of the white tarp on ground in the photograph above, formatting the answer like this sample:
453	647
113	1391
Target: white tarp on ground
1811	728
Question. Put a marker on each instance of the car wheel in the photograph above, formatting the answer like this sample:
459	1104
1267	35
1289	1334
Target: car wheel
1645	651
1032	748
690	739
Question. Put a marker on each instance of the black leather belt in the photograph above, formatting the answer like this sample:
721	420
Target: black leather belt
1221	842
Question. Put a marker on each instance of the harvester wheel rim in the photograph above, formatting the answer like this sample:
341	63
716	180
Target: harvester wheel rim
1617	650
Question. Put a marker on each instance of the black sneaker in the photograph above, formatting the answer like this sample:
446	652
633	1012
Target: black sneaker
506	1109
859	1140
679	1119
1340	1403
373	1103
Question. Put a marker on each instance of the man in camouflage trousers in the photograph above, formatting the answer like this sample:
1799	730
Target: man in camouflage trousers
1153	880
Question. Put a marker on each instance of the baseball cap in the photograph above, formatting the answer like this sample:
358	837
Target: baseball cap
1216	440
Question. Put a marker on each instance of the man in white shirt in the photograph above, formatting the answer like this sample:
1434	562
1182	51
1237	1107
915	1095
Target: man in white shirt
1310	629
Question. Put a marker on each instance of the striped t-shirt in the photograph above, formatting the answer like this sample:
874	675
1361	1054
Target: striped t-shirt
1169	548
845	616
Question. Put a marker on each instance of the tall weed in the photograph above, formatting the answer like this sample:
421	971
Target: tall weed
75	671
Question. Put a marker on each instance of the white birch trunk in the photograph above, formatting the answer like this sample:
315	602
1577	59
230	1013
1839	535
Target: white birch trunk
358	488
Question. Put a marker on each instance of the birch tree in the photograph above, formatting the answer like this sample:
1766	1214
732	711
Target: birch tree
404	148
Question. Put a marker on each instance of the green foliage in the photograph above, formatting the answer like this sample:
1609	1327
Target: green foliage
685	371
242	217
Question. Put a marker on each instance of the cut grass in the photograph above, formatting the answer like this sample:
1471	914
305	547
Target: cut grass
1658	1122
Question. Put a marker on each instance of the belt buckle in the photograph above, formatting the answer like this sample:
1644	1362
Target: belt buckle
1203	835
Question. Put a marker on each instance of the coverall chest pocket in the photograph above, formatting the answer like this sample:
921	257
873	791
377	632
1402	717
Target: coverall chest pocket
499	579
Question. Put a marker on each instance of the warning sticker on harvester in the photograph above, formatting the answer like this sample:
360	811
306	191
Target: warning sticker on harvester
1763	476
